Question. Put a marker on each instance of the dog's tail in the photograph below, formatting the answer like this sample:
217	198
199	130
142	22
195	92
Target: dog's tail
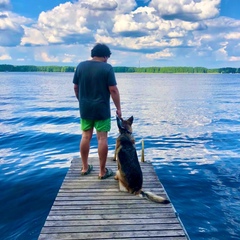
153	197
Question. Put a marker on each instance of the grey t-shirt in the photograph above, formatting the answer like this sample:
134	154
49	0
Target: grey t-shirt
93	79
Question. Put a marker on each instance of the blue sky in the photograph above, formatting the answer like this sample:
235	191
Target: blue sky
139	32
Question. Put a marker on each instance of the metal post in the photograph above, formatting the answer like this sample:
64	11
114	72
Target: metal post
142	157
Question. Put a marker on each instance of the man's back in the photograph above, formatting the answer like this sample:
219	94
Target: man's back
94	79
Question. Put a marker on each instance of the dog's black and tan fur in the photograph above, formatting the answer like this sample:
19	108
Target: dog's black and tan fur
129	173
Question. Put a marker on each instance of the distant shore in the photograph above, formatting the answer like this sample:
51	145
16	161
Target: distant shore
120	69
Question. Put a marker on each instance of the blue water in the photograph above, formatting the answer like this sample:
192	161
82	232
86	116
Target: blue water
190	125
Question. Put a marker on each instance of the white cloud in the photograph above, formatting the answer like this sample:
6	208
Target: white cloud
4	57
136	23
219	40
41	54
234	59
160	55
187	10
233	35
21	59
33	37
79	22
60	54
68	58
221	24
221	54
67	23
126	26
45	57
101	5
11	28
126	23
125	6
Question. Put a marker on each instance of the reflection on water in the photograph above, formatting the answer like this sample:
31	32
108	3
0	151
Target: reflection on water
189	123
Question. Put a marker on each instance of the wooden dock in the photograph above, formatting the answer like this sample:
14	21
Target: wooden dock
89	208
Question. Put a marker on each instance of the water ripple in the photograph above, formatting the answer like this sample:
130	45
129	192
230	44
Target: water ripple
190	133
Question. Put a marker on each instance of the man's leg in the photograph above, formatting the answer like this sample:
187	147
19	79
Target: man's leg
102	151
85	147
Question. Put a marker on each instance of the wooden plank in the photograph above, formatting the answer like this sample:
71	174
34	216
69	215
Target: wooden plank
89	208
153	235
169	217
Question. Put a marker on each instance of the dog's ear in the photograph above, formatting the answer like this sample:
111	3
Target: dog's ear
130	120
119	122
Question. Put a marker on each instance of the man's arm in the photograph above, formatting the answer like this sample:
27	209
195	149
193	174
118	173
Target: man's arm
76	91
116	99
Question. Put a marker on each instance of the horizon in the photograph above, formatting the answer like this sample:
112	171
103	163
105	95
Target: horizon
141	33
71	66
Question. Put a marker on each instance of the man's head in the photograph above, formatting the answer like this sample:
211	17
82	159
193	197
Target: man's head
100	50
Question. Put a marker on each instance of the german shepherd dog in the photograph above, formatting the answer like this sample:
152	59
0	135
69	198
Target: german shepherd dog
129	173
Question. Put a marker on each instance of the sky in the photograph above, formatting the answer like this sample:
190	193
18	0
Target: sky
140	33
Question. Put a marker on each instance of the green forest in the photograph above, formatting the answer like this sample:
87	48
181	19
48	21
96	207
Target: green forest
29	68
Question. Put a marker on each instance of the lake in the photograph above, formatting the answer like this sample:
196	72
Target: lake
190	125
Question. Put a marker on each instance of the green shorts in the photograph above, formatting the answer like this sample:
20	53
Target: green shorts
99	125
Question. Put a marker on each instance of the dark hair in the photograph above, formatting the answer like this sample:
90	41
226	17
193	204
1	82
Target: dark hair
100	50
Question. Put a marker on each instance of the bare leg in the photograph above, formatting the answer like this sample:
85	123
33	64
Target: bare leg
102	151
85	147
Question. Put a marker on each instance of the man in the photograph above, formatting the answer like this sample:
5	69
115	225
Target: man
94	83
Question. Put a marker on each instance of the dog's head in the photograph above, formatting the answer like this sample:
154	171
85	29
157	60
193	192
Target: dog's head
125	126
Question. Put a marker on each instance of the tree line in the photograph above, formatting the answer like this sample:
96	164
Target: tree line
176	70
30	68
